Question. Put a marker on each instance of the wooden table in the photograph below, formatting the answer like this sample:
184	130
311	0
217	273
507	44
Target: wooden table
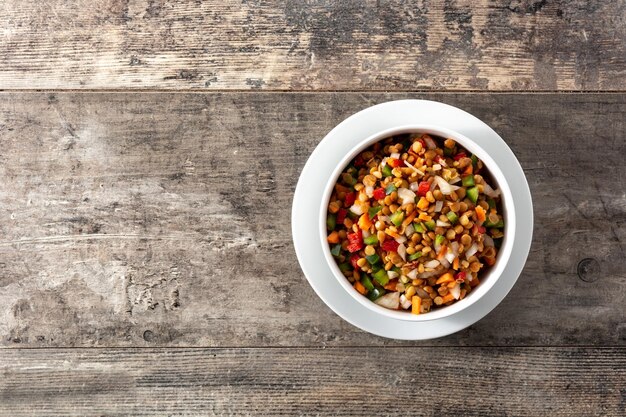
148	155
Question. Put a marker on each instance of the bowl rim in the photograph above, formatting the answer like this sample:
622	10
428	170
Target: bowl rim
487	282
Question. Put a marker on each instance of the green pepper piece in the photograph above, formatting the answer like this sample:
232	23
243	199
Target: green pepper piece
397	218
439	239
381	276
498	225
468	181
419	227
390	189
375	293
370	240
343	267
472	194
448	151
387	170
452	216
430	224
336	250
367	283
474	159
372	259
374	211
414	256
492	203
331	221
348	179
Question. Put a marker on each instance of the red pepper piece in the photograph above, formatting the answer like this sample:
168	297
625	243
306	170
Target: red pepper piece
460	155
460	277
353	260
356	241
423	188
394	162
379	193
390	245
481	229
350	199
341	215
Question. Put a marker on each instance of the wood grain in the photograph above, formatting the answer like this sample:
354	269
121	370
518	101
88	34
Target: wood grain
163	219
337	382
321	45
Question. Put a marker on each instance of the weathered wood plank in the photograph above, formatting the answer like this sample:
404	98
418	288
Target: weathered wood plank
303	45
163	219
339	382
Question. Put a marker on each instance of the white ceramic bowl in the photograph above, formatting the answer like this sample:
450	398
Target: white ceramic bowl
487	279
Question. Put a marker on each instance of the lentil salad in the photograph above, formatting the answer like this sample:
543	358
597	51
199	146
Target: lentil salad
413	222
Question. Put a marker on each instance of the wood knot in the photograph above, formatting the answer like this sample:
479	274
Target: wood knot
148	336
589	269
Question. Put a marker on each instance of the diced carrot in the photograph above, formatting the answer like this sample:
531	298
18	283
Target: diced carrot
364	222
425	217
391	285
469	170
452	284
422	204
442	252
408	220
360	288
447	277
447	298
455	264
333	237
392	234
474	282
481	215
416	304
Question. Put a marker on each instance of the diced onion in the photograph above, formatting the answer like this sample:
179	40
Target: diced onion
421	293
410	229
392	274
412	274
390	300
471	250
369	191
430	144
356	209
432	264
436	167
438	206
395	155
445	263
428	274
401	239
413	168
488	241
455	180
455	248
490	192
450	257
469	276
366	233
437	247
441	223
456	291
405	302
406	196
444	186
402	251
414	186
